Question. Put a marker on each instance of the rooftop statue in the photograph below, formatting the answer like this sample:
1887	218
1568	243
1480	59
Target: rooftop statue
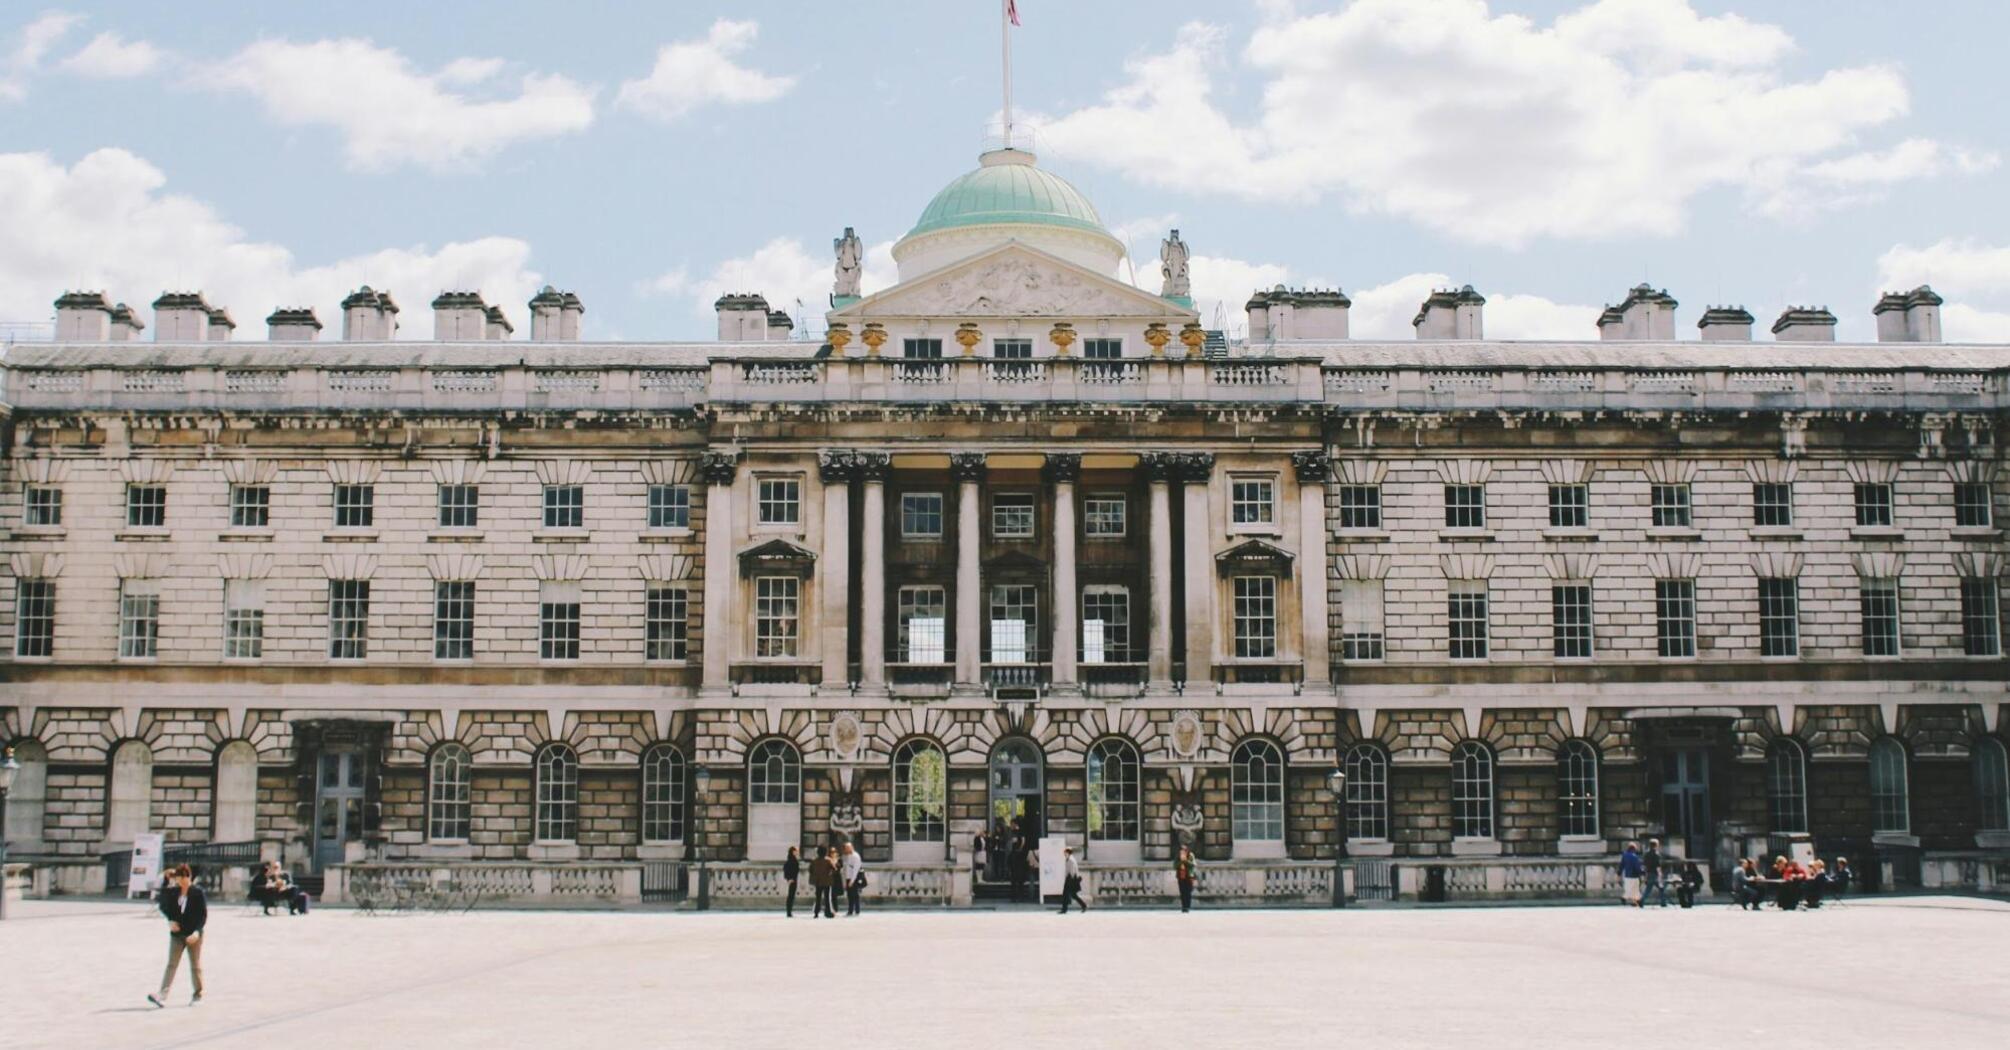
1172	263
849	253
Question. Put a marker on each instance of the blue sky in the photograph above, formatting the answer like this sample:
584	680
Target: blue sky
1551	154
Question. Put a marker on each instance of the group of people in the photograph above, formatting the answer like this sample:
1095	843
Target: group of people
274	887
1790	884
834	871
1013	848
1646	873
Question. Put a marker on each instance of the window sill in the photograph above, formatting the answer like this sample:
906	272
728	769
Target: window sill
1259	529
1775	532
567	535
1894	838
664	535
1876	532
1573	534
454	536
143	534
1370	848
553	851
1976	532
1992	840
1476	847
1580	845
784	529
1482	535
660	851
1361	536
1674	532
38	532
249	534
350	536
445	849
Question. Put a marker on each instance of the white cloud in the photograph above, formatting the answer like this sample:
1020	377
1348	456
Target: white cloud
1494	128
1863	178
31	44
109	56
1384	311
105	223
690	74
390	114
1225	284
782	270
1973	276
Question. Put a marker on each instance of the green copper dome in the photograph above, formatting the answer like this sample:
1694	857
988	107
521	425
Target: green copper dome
1007	188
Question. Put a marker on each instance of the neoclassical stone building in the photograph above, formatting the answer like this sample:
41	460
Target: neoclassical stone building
1017	541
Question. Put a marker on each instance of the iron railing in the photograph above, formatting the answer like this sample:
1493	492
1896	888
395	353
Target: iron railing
209	859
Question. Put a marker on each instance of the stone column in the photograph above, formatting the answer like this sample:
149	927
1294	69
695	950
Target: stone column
967	468
1312	469
1064	469
718	469
837	467
1158	468
872	468
1197	470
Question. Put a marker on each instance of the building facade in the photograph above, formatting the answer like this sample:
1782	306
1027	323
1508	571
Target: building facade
1016	542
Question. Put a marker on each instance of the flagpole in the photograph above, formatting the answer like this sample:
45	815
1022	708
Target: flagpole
1005	38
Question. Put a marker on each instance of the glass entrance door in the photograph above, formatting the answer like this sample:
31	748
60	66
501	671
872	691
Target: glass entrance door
338	806
1017	789
1685	802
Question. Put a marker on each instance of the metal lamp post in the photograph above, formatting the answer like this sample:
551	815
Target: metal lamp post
704	781
1336	782
8	767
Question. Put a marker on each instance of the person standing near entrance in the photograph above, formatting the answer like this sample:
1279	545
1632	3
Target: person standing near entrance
1629	874
1017	862
822	873
854	879
792	870
183	904
978	848
1653	879
1186	873
1071	880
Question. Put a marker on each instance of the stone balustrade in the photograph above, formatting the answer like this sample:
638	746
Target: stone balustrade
741	884
490	882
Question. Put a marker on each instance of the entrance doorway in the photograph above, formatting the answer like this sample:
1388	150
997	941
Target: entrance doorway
1017	792
1685	803
338	806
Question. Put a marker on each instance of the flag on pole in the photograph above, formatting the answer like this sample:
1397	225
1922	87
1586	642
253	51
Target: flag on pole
1012	11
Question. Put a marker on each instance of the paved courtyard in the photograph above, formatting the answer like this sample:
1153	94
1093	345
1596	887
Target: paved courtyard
1882	974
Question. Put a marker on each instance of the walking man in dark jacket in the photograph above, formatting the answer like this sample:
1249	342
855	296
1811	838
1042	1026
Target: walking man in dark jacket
1654	881
792	870
822	874
186	910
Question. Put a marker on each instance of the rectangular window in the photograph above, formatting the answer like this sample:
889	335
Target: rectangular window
1011	517
920	631
921	349
1569	506
250	506
1570	619
1972	505
1360	506
1106	625
42	505
355	506
1014	624
1878	599
1012	349
139	619
1252	501
558	620
565	506
1466	620
348	619
454	620
921	515
1670	506
666	623
1873	506
1102	349
778	501
1773	505
34	617
460	506
669	506
1361	620
1779	617
776	615
146	506
1675	617
1981	617
1255	617
243	619
1104	515
1465	506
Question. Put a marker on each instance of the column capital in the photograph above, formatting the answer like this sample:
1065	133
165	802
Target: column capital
872	466
718	468
1313	466
1195	466
966	466
836	465
1062	466
1159	466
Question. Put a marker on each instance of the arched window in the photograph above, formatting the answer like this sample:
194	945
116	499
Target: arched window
1113	791
663	794
1787	785
1367	792
1890	804
1992	784
920	793
130	809
1472	791
1256	792
1577	788
557	794
27	800
448	792
235	816
774	774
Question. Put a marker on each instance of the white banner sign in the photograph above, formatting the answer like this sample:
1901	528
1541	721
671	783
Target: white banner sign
1053	865
145	873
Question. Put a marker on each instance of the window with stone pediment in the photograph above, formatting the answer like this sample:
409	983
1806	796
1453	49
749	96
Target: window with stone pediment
1255	617
777	616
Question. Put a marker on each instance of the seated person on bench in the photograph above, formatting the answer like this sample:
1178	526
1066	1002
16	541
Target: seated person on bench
272	886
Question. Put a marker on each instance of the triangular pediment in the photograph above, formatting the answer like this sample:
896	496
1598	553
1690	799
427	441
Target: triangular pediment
777	557
1253	556
1013	280
1015	562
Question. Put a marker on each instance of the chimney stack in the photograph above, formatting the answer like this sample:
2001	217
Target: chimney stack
1647	313
369	316
743	318
126	325
1908	317
780	326
297	325
498	326
1726	324
1805	324
220	326
181	317
460	316
1451	314
554	316
1298	313
83	317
